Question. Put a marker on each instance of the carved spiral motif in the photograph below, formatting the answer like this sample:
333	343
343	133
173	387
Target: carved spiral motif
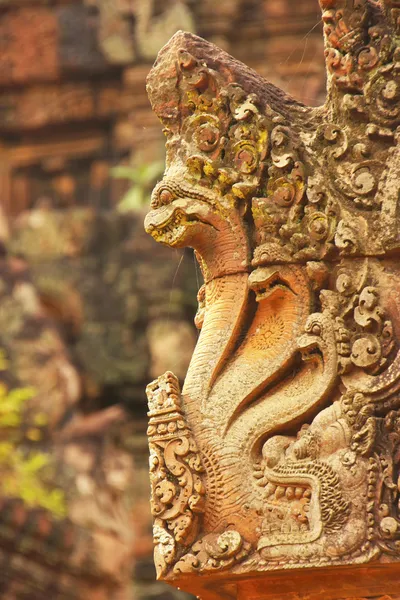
165	492
283	191
187	62
345	238
366	351
225	546
363	179
336	137
281	152
368	58
206	132
382	95
246	156
318	226
389	527
345	284
338	64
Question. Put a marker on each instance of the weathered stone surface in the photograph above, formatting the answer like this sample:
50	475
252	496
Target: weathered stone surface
281	451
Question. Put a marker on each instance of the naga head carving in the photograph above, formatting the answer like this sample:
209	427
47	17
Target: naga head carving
228	144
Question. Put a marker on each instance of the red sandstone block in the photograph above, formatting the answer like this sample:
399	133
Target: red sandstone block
28	46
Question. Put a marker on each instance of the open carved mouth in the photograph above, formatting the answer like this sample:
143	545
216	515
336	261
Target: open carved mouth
166	224
309	349
263	292
287	510
264	283
169	222
175	220
311	353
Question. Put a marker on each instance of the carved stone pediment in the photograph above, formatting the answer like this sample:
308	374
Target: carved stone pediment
282	450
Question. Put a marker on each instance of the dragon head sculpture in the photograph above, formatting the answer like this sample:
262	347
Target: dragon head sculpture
228	145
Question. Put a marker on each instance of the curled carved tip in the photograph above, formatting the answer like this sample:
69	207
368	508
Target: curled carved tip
186	60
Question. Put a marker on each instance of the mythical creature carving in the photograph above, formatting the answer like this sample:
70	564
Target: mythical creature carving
287	452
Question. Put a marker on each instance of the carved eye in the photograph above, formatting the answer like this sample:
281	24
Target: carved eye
161	196
316	329
165	196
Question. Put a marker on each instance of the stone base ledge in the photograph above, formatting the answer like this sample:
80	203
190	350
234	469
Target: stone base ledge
365	582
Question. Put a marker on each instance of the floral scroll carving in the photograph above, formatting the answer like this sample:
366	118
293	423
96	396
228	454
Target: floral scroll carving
282	450
175	471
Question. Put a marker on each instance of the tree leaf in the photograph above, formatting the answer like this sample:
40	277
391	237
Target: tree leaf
153	171
132	200
124	172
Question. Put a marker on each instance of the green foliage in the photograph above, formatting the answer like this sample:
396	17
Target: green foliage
22	471
143	177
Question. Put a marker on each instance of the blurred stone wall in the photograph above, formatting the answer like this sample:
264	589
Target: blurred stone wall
72	80
91	309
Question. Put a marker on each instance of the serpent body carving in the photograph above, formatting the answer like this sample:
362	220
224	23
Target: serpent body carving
294	381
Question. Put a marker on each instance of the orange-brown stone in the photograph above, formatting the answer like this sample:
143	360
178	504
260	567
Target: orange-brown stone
280	454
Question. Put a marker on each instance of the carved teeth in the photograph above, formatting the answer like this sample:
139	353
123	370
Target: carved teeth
298	492
270	489
288	526
290	493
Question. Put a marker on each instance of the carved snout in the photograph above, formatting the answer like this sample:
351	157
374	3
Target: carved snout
264	281
318	338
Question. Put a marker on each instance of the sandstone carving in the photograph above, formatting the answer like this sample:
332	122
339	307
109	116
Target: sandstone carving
282	450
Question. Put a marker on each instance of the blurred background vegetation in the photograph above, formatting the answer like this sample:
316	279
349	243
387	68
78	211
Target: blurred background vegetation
91	309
